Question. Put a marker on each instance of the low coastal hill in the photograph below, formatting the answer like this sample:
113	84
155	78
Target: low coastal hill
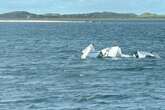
23	15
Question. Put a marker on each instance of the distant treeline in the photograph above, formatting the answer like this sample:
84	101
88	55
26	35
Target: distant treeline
23	15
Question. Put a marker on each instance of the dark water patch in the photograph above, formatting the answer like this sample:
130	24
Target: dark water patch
127	69
103	97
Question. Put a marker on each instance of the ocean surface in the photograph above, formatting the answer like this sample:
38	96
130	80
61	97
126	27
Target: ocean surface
40	66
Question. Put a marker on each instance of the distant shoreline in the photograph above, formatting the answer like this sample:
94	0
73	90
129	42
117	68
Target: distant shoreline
37	21
74	20
24	16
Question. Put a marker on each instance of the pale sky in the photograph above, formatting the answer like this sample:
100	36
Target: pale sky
83	6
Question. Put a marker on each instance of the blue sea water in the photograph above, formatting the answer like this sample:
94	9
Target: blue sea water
40	66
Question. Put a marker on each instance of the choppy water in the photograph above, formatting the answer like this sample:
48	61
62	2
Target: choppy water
40	66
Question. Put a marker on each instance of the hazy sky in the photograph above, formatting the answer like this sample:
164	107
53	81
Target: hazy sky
81	6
